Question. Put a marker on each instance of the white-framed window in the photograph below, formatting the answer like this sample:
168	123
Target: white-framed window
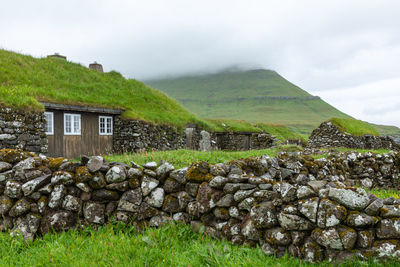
49	127
72	124
105	125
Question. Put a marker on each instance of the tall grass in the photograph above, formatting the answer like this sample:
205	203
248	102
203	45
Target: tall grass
123	245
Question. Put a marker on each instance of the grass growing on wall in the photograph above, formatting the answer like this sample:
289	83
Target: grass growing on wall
25	80
121	245
280	131
354	127
183	158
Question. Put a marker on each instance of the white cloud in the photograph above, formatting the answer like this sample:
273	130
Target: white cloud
319	45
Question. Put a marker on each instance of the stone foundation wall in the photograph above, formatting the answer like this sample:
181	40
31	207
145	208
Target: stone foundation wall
242	141
328	135
277	203
23	130
135	135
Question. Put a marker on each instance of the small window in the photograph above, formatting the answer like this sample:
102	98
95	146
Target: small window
49	127
72	124
105	125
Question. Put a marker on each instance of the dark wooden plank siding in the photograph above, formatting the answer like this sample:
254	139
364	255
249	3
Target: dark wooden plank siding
73	146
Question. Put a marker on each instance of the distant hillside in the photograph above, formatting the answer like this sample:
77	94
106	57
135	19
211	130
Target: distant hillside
254	96
25	80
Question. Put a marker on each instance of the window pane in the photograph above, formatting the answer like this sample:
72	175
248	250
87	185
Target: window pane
49	122
68	123
102	125
109	125
77	127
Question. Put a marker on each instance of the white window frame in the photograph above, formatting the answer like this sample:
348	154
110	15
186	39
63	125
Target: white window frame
73	117
106	128
51	122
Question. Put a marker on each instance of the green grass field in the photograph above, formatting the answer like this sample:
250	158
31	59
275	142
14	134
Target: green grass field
123	245
254	96
25	80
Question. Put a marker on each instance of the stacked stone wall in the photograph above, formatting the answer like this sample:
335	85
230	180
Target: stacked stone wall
23	130
136	135
279	204
328	135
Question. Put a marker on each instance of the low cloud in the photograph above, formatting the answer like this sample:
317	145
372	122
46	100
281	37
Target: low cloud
322	46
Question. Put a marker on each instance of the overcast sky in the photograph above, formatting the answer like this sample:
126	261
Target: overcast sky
346	51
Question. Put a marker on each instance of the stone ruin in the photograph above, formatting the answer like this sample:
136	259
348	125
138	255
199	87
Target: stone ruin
328	135
288	204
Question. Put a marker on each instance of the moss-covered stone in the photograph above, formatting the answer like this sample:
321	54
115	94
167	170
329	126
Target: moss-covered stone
199	172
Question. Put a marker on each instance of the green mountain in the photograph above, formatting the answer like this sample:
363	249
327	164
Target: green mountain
254	96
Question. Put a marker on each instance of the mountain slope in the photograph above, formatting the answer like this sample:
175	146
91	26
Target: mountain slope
25	80
254	96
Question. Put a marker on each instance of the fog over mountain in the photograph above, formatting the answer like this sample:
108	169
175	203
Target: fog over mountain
347	52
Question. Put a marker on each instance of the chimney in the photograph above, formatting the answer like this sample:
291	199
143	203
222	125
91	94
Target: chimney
57	55
96	66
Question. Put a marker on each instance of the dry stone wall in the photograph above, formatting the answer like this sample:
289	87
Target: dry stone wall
328	135
136	135
23	130
278	203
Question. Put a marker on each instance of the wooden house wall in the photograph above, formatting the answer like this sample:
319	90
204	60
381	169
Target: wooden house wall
90	142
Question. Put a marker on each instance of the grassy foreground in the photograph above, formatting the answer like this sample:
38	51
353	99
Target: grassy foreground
122	245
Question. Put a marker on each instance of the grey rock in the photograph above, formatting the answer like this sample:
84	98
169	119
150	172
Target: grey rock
121	186
56	196
294	222
135	173
172	186
159	220
62	177
250	231
242	194
389	211
31	186
278	236
192	188
84	187
46	190
388	228
13	189
95	163
288	192
231	188
309	207
98	181
5	205
163	170
105	195
150	165
317	185
218	182
20	207
226	201
356	199
26	226
116	174
330	213
374	208
365	238
179	175
328	238
246	204
367	182
263	215
358	219
94	212
71	203
348	236
130	201
5	166
305	192
156	198
148	184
